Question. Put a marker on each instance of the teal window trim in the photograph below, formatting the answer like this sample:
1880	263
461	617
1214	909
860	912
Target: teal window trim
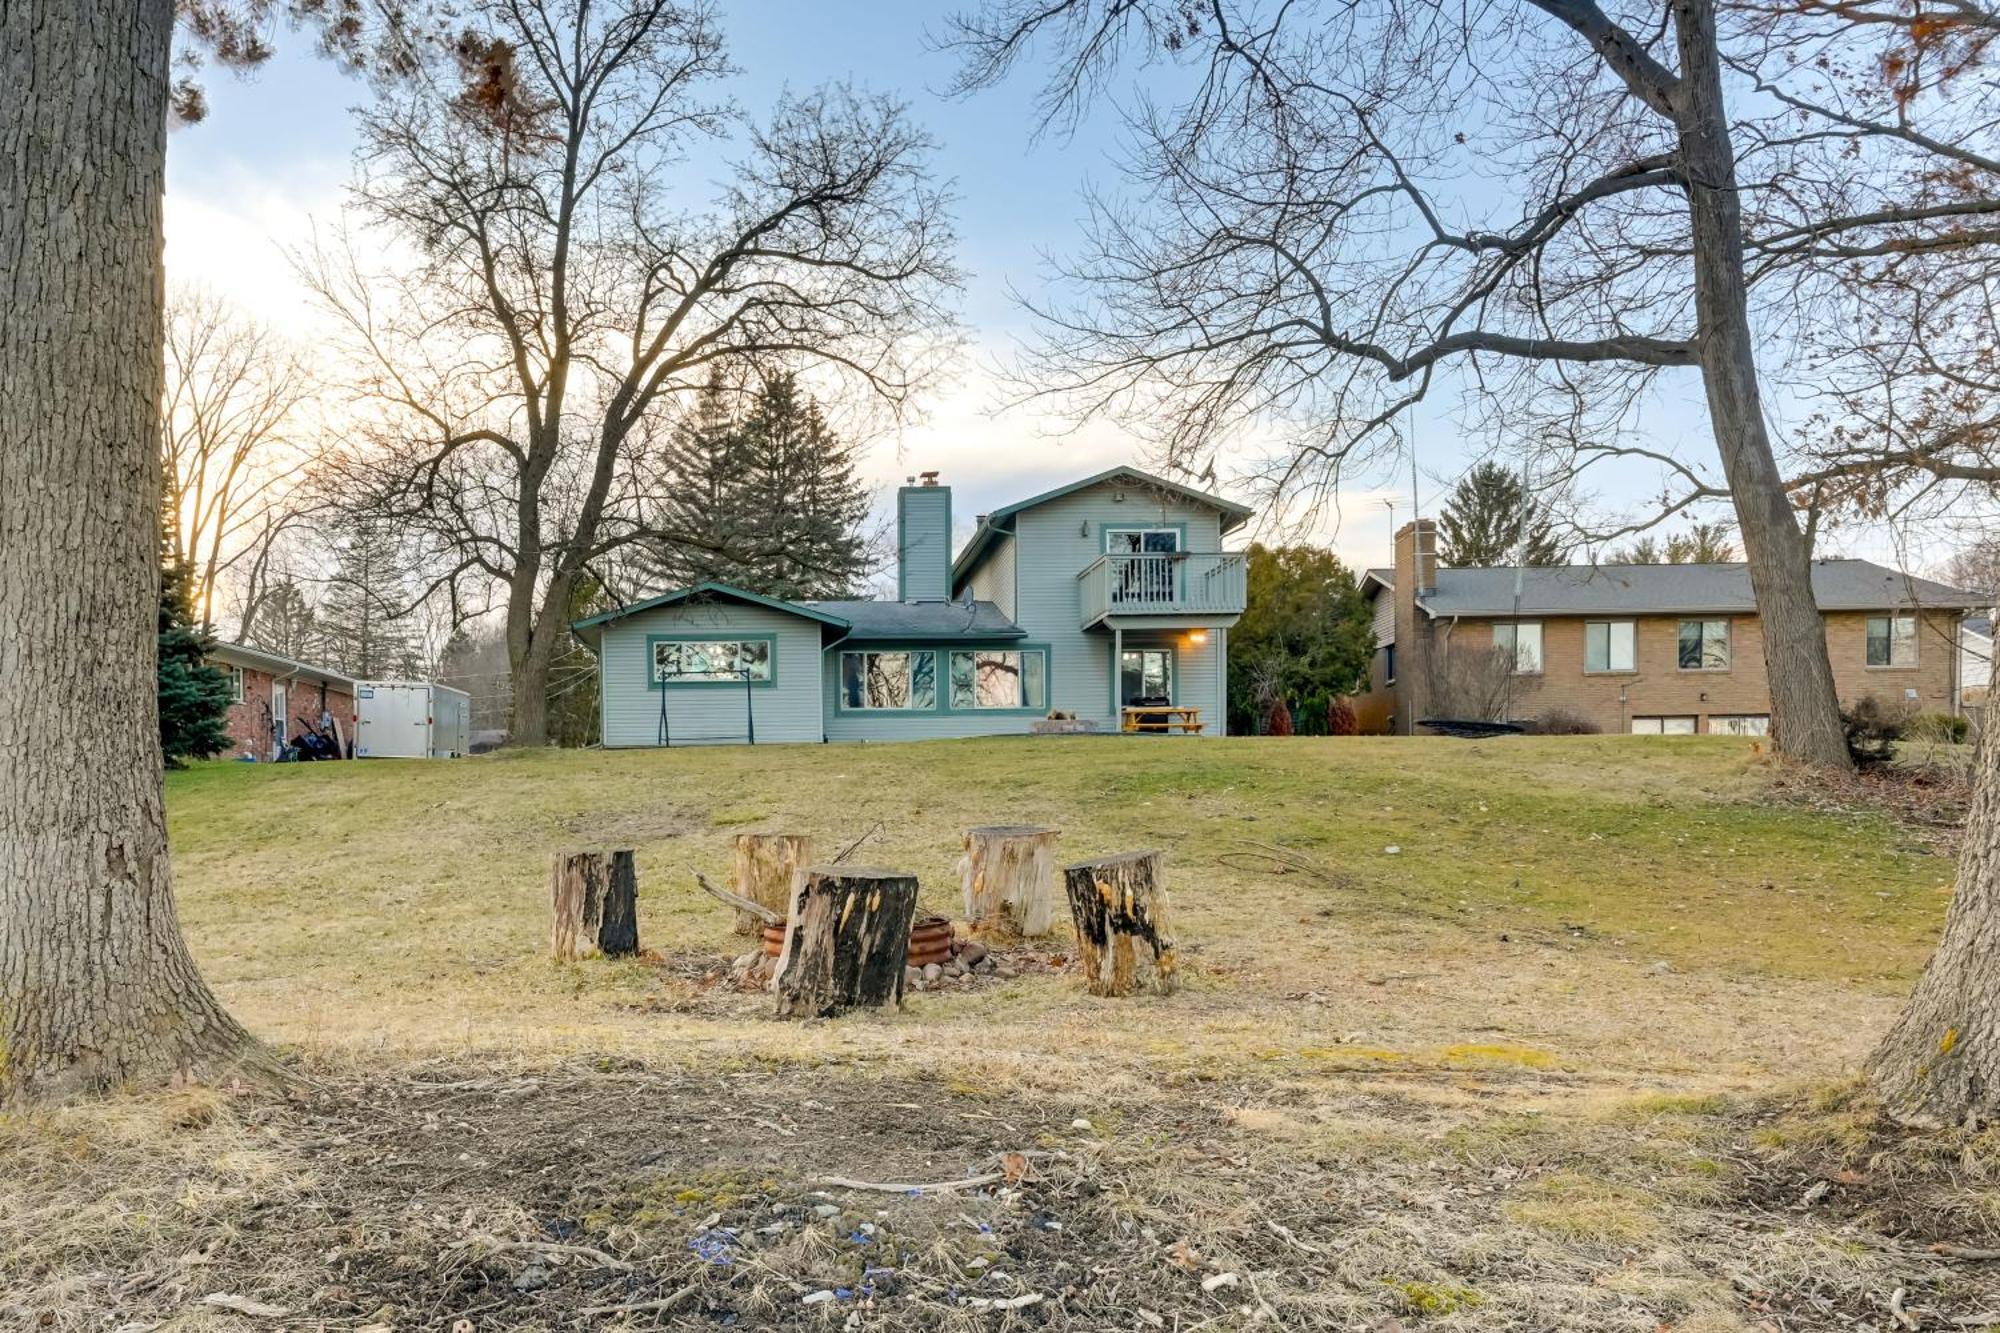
653	682
940	688
1010	646
1173	653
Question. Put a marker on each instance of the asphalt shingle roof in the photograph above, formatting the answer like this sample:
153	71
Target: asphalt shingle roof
922	620
1838	585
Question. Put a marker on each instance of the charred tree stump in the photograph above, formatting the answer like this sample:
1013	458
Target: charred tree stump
594	903
845	940
766	864
1118	903
1008	877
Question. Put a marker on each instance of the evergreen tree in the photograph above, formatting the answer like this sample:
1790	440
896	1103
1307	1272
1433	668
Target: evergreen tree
194	696
1306	634
800	475
1702	544
701	518
364	619
1490	519
287	625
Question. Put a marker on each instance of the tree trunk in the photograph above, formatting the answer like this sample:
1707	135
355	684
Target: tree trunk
1940	1063
1115	902
96	985
766	865
1805	706
847	937
593	905
1008	878
528	717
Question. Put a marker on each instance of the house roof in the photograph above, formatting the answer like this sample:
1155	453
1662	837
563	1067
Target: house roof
587	628
880	621
1838	585
241	655
992	525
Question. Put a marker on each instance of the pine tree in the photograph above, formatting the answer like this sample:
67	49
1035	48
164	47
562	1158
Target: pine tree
1490	519
287	625
194	696
364	620
701	520
1702	544
800	475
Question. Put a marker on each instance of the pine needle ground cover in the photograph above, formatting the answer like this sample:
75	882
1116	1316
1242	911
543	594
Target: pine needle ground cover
1554	1031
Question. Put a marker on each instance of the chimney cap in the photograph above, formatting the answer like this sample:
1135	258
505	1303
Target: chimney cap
928	478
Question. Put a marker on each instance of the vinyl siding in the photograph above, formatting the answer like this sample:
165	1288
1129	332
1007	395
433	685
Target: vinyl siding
923	537
994	580
786	711
1056	541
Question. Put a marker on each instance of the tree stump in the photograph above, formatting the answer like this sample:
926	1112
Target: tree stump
766	866
1008	877
845	940
594	899
1116	902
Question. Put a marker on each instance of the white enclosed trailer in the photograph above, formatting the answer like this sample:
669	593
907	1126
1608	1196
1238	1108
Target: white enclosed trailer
410	719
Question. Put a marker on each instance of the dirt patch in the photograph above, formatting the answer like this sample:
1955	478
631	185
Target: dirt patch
605	1191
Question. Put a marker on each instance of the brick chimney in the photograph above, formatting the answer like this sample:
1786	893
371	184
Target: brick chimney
1416	577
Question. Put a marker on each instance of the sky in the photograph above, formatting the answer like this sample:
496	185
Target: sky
269	165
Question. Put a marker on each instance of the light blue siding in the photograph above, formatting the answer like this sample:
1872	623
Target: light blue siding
786	710
1056	541
923	543
994	580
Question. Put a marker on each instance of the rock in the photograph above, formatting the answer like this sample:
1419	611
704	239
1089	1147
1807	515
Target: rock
932	971
961	968
826	1210
532	1278
746	962
911	977
972	953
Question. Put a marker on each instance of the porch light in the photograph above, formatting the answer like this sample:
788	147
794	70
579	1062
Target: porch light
1197	636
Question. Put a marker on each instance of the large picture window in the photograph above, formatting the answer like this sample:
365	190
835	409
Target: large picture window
1006	679
1523	640
1892	641
1610	645
1704	645
713	661
904	679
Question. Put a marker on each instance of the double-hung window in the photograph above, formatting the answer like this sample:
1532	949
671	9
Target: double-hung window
713	661
899	679
1610	645
1704	645
1009	678
235	683
1521	640
1892	641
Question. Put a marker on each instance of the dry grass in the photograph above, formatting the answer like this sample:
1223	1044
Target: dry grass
1516	1073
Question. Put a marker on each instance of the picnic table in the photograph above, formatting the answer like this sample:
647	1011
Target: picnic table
1162	718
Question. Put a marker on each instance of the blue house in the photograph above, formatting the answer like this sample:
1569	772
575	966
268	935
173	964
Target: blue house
1097	597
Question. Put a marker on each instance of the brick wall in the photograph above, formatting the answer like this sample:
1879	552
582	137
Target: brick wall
249	719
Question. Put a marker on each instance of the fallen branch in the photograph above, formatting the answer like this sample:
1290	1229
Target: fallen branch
1963	1251
639	1307
244	1305
854	846
737	901
890	1187
544	1249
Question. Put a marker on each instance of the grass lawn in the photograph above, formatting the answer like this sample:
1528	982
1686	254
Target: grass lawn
1556	1033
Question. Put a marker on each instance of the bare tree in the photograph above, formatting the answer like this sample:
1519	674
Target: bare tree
566	288
232	439
1304	248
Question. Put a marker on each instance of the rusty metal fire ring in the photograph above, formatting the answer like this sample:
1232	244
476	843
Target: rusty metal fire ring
774	941
930	941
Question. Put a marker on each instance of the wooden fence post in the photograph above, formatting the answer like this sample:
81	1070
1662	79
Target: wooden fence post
594	905
1008	878
1114	902
765	866
845	940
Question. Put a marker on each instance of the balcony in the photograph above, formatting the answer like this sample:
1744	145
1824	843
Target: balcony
1154	588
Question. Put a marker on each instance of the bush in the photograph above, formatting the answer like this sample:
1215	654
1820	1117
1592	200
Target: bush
1562	721
1278	722
1340	719
1873	727
1939	729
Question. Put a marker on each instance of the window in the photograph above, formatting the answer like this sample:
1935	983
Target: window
902	679
713	661
1610	645
1146	674
1388	664
1143	563
1010	679
1142	541
1704	645
1892	641
1740	724
235	674
1524	639
1663	726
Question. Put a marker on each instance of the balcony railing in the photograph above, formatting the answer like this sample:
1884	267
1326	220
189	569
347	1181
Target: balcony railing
1193	583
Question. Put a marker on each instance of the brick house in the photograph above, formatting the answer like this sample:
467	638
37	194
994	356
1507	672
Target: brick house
275	698
1674	649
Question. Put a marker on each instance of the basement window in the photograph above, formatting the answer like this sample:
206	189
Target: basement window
1892	641
904	679
1739	724
1663	726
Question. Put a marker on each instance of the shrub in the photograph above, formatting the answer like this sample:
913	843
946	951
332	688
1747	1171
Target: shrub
1564	721
1873	727
1278	722
1340	719
1939	729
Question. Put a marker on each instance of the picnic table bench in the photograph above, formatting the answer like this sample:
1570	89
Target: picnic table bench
1162	718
